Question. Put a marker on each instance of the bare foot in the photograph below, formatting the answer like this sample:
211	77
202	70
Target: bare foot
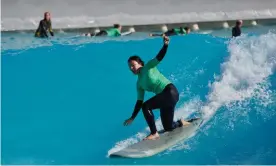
152	137
184	123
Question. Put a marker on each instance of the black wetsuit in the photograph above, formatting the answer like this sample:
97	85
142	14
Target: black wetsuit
44	28
101	33
165	100
112	32
171	32
236	31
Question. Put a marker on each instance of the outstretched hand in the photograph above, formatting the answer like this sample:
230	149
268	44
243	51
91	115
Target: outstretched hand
166	40
128	122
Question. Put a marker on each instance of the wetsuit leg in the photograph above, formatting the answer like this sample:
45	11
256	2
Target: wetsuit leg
166	115
151	104
156	34
167	112
101	33
165	101
91	34
169	32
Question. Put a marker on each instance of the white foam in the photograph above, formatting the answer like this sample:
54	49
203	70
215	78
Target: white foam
251	61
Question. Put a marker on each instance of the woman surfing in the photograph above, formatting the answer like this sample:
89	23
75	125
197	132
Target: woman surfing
166	98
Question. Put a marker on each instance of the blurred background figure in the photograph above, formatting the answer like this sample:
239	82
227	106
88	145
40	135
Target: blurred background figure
45	27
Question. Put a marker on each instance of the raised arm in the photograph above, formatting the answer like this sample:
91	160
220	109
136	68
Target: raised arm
162	52
155	61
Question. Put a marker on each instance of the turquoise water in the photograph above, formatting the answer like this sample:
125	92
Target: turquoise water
64	100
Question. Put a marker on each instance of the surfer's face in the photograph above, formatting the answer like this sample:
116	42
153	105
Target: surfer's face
134	66
120	28
47	16
239	23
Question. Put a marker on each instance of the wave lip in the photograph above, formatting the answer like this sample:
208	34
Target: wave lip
252	60
244	75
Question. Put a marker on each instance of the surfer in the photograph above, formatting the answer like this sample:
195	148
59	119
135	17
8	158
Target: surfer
112	32
174	31
236	31
150	79
45	27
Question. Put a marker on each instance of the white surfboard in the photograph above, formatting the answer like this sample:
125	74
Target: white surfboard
147	148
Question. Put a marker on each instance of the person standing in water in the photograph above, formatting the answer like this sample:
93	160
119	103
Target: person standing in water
236	31
166	98
112	32
45	27
174	31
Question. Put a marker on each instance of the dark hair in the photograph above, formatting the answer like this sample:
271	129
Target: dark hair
137	59
116	25
186	29
238	22
49	21
46	14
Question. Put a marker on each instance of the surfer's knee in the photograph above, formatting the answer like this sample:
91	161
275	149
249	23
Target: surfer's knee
145	107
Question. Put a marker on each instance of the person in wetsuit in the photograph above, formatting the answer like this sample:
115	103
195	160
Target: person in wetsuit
166	98
45	27
236	31
112	32
174	31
